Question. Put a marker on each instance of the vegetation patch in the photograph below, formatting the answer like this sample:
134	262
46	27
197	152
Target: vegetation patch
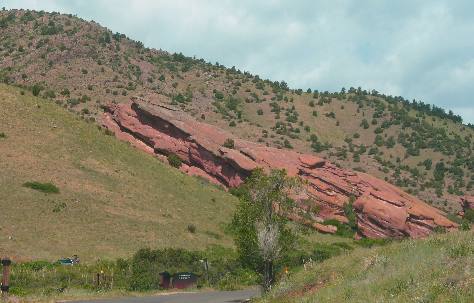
174	160
47	188
229	143
469	215
343	230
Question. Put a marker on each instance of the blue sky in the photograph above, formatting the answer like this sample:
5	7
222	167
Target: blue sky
416	49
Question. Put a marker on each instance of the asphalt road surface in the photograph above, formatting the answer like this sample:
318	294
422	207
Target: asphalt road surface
188	297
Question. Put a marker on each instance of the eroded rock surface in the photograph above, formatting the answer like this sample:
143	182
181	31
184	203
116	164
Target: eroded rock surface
382	209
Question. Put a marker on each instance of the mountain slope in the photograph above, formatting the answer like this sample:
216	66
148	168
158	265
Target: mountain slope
83	66
112	200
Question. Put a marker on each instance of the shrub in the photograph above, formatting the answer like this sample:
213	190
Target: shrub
350	213
174	160
364	124
146	263
343	230
2	135
36	89
469	215
43	187
37	265
191	228
108	132
218	95
465	225
73	102
260	112
330	115
229	143
379	140
325	251
368	243
49	94
390	143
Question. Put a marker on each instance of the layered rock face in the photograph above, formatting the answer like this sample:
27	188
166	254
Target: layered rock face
382	210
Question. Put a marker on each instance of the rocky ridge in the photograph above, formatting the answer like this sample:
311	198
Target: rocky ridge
382	209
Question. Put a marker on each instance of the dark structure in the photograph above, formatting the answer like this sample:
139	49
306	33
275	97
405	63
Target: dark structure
5	286
184	280
165	280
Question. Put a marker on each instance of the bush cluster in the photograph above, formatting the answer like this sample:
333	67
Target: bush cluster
43	187
174	160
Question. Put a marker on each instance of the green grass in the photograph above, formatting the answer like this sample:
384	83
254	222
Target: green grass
47	188
113	198
436	269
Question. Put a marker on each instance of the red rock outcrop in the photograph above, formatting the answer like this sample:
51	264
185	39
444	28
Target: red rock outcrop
382	210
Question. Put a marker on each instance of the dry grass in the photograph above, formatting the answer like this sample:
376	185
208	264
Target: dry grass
436	269
113	199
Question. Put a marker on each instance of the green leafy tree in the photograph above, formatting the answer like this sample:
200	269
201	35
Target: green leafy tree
364	124
260	231
439	171
378	140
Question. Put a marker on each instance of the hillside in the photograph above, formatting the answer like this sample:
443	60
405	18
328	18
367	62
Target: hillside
82	66
436	269
112	198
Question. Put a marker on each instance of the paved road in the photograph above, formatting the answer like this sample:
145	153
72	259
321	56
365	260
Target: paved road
197	297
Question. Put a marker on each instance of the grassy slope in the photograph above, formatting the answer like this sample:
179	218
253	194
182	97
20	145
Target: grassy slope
113	199
436	269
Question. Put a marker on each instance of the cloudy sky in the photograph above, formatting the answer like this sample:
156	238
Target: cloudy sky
416	49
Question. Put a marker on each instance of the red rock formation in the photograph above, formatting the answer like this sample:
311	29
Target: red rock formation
383	210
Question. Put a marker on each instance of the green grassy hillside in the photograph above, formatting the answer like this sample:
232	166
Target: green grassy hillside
437	269
112	200
81	66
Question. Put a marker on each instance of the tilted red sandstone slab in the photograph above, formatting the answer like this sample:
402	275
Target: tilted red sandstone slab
382	209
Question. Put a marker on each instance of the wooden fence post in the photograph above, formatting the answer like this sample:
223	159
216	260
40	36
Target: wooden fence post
5	287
